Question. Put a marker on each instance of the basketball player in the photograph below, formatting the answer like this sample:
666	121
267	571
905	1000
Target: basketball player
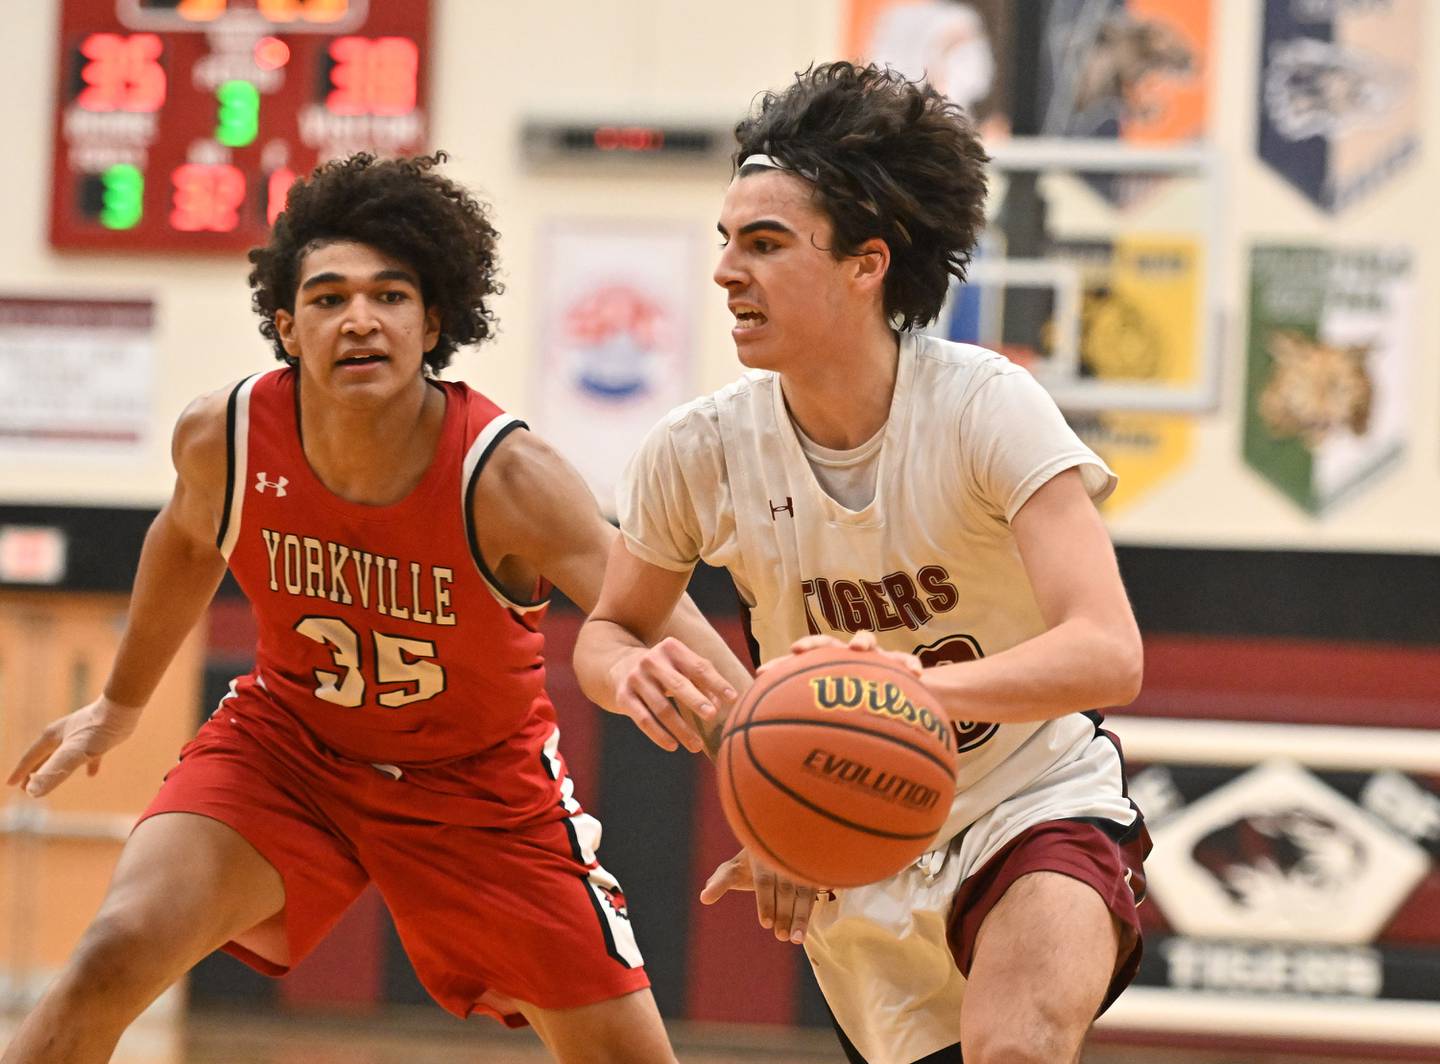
396	536
866	482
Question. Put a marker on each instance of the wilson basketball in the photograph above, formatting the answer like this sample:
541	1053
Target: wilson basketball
837	767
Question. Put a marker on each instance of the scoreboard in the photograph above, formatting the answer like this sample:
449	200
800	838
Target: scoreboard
181	124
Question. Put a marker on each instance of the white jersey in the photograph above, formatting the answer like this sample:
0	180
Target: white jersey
930	565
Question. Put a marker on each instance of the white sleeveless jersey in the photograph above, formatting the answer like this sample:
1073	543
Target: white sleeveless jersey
930	565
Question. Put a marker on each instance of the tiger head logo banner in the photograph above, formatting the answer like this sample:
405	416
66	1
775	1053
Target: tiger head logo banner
1339	94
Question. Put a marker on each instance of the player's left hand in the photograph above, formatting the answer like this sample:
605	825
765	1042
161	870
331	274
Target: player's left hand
864	641
672	694
79	738
781	904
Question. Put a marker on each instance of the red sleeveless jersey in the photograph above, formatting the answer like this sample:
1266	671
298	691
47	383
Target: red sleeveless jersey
381	631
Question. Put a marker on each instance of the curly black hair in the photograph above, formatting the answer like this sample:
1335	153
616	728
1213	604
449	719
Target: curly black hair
404	209
889	158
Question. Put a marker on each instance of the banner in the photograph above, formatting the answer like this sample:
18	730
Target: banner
1131	70
1339	107
1139	321
617	340
1134	72
1294	888
1328	366
1128	69
1135	320
964	49
76	377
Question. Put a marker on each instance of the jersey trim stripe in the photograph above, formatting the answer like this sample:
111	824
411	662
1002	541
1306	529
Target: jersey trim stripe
600	885
237	458
619	938
554	767
475	458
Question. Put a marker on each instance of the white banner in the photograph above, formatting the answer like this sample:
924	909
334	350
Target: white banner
76	377
617	344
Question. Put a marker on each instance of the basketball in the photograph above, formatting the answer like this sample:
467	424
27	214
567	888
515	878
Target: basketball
837	767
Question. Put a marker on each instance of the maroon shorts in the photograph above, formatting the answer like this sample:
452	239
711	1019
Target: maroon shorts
1100	854
485	914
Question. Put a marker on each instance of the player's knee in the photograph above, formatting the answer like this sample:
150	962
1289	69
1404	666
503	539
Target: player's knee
1047	1038
116	960
1011	1049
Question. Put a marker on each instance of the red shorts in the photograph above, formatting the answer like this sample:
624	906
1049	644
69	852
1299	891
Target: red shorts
484	913
1109	860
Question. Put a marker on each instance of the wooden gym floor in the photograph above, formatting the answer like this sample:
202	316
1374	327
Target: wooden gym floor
420	1038
424	1036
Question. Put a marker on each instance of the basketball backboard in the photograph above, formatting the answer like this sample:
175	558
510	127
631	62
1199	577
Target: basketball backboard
1094	273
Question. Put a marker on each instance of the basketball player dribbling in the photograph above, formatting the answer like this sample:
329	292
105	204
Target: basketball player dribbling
869	484
396	536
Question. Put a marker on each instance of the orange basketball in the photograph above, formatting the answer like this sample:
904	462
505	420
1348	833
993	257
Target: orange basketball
837	767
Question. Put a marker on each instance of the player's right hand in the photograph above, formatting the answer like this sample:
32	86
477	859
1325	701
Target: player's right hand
653	686
781	904
80	738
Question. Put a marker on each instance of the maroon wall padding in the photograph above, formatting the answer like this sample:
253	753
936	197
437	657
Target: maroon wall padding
735	969
1318	682
347	967
1415	923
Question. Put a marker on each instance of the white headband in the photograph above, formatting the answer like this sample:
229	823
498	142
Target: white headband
771	164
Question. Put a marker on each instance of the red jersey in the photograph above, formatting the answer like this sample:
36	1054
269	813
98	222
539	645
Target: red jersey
381	630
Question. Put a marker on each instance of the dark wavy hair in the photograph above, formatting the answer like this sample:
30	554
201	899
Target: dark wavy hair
889	158
406	210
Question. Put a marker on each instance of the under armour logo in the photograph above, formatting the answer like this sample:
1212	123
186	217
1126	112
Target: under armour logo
279	485
788	508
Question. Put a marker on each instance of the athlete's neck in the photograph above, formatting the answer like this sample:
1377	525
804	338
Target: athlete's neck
842	399
372	454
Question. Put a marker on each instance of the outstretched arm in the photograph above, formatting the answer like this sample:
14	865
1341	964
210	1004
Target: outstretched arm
180	567
539	518
640	649
624	655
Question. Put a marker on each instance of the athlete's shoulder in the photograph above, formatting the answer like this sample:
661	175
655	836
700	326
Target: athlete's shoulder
701	415
690	434
200	444
968	365
951	375
201	434
484	424
517	462
468	394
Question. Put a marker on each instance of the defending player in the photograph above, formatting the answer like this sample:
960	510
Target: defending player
396	536
864	478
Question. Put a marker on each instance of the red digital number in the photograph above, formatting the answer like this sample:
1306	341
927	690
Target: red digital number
629	138
207	197
122	73
276	191
373	76
309	10
201	10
